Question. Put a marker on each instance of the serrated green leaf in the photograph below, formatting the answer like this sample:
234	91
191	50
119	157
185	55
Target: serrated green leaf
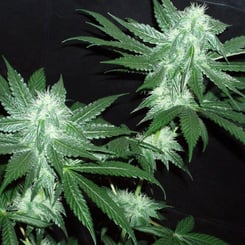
10	124
8	233
165	240
196	83
231	66
106	26
113	31
135	62
203	133
204	239
26	219
93	110
100	42
105	203
100	131
58	89
19	89
168	5
53	215
37	81
77	202
165	14
19	164
224	111
185	225
189	122
234	46
215	44
6	148
156	231
4	88
143	31
217	26
153	79
120	146
222	80
177	160
10	104
74	130
9	143
70	147
163	118
116	168
232	128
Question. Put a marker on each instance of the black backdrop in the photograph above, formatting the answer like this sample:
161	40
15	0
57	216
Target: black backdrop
31	35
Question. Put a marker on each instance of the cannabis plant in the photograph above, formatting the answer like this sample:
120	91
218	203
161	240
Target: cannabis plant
190	77
54	150
187	69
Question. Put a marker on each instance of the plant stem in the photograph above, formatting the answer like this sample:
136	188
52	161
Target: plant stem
139	187
155	223
24	235
112	187
122	237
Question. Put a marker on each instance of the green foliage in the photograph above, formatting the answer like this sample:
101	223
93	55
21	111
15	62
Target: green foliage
183	60
182	235
52	149
8	232
59	153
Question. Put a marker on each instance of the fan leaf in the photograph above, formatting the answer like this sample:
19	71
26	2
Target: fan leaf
165	14
185	225
235	46
135	62
92	110
204	239
68	146
18	166
203	133
163	118
37	81
196	83
8	233
58	89
9	124
33	221
231	66
232	128
156	231
113	31
222	80
100	131
143	31
115	168
153	79
19	89
189	122
77	202
4	88
105	203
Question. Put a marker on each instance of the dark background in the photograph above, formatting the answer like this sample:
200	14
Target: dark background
31	35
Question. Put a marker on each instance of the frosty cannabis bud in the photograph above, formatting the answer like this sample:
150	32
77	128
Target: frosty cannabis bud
165	141
139	209
51	147
181	60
